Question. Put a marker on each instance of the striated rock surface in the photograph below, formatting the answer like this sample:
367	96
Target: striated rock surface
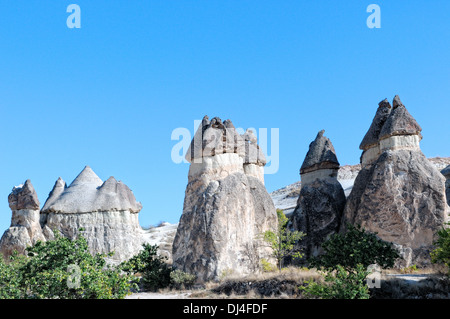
446	173
321	199
321	155
25	229
107	211
370	143
224	209
400	194
254	159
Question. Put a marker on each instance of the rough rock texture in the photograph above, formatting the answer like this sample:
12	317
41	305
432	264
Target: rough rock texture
215	137
373	134
107	211
25	229
370	143
400	122
446	173
322	198
254	159
224	210
321	155
400	195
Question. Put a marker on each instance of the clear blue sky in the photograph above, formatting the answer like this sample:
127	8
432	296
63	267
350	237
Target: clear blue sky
110	94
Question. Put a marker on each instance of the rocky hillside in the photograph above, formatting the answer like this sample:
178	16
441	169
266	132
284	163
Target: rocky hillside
284	198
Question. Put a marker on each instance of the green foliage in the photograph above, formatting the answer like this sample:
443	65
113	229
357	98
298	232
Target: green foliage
62	269
340	284
153	268
267	266
180	279
355	247
441	254
11	278
283	241
408	270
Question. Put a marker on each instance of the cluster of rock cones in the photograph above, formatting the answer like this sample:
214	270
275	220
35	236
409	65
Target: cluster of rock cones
398	194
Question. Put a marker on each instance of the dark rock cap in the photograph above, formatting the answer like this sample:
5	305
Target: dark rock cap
372	136
400	122
321	155
253	153
23	197
446	172
215	137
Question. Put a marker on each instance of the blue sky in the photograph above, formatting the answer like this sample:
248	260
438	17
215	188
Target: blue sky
110	94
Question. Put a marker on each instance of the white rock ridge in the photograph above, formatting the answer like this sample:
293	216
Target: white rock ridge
106	211
226	205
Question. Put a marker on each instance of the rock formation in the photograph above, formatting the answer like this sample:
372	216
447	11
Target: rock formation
398	193
254	159
106	211
446	173
25	229
224	209
322	198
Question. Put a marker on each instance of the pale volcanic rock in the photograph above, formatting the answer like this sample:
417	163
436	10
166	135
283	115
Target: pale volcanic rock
224	208
400	194
106	211
213	138
254	159
321	200
446	173
25	228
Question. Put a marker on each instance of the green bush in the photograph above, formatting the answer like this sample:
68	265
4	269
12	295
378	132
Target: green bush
340	284
154	270
345	263
11	278
180	279
355	247
441	254
62	269
267	266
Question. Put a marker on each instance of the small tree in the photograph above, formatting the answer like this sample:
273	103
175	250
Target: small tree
283	241
441	254
356	246
345	264
153	268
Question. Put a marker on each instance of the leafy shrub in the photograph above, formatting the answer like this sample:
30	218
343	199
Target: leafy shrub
356	247
409	270
340	284
441	254
62	269
345	264
267	266
180	279
11	278
153	268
